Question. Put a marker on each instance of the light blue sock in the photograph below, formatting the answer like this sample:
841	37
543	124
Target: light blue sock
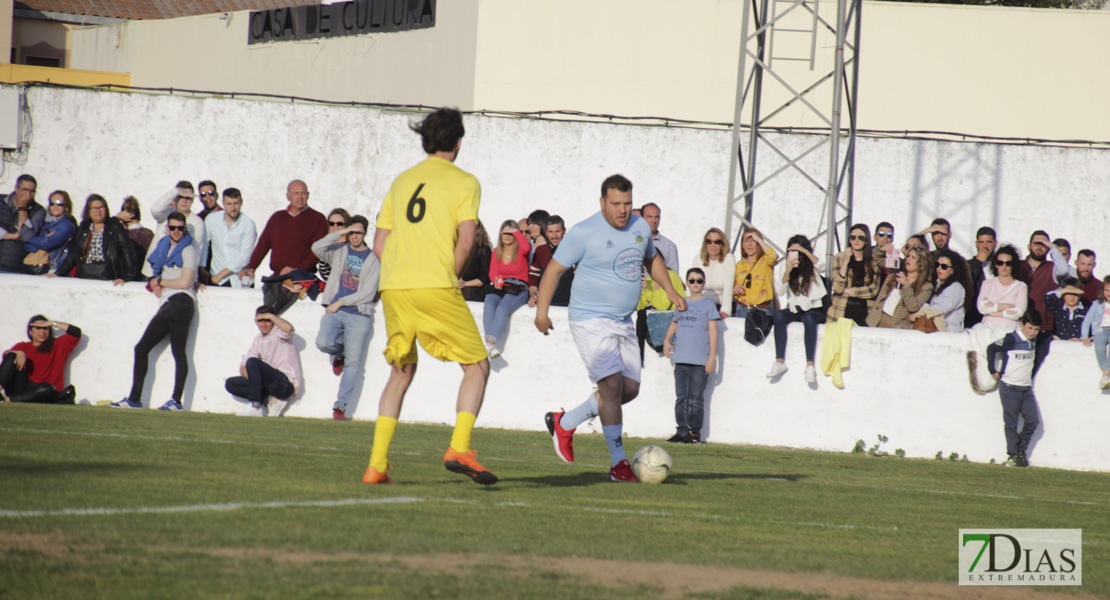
580	414
616	446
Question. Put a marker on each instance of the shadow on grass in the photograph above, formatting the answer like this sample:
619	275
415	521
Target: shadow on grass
49	468
594	478
682	478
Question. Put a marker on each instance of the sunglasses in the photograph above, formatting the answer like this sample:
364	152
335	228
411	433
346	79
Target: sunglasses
1003	263
336	223
509	233
261	320
356	232
943	267
176	227
212	194
715	242
697	281
44	328
57	203
884	234
861	238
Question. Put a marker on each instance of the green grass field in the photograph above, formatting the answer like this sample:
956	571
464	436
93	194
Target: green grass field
119	504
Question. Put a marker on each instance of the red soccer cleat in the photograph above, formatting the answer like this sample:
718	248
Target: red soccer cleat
622	472
563	438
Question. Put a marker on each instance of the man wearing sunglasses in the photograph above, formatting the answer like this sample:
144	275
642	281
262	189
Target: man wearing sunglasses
350	297
209	198
174	261
1044	268
21	219
231	236
270	372
180	200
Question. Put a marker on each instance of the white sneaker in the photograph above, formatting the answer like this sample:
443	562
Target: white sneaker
811	374
777	369
275	408
491	347
251	411
1104	382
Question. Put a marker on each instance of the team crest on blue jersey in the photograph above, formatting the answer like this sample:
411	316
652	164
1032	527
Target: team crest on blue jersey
639	238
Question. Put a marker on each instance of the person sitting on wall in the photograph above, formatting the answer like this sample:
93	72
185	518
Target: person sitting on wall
891	260
48	248
231	235
752	280
1042	271
855	283
35	371
338	219
1068	309
800	290
474	279
1003	299
100	249
131	216
508	274
952	291
271	369
535	226
1085	272
979	270
904	293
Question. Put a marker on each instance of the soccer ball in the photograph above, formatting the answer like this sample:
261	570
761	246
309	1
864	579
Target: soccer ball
651	464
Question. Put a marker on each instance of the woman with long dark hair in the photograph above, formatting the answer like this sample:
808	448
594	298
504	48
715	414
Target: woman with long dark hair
34	371
952	289
101	249
855	282
474	279
799	288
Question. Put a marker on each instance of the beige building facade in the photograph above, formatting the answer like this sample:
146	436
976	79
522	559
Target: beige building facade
990	71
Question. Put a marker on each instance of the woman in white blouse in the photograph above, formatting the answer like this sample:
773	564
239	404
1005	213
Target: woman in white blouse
799	289
718	265
1003	300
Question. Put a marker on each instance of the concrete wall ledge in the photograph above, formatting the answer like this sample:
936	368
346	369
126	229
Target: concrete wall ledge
909	386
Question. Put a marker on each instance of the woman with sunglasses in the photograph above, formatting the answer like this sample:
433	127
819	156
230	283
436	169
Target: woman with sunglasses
800	291
508	272
753	286
338	219
904	292
55	235
855	282
131	216
1003	299
35	371
101	249
718	267
952	285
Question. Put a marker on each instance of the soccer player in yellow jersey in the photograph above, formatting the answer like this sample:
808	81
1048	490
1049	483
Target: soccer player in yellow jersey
425	233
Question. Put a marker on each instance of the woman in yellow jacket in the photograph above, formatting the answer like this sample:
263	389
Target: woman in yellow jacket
754	286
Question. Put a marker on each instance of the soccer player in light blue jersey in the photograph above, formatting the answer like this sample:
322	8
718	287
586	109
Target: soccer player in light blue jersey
610	250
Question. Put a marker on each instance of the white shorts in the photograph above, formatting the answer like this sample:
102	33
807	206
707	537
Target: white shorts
607	347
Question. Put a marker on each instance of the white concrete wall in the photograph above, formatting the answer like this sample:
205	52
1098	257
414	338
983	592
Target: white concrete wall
908	386
985	70
118	144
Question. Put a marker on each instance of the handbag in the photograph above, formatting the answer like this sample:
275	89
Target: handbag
924	324
37	258
657	324
757	325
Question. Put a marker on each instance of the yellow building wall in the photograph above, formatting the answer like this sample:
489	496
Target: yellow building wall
23	74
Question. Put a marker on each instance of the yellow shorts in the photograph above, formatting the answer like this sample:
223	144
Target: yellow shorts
439	318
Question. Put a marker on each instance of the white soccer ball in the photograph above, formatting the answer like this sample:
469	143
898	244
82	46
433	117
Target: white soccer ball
651	464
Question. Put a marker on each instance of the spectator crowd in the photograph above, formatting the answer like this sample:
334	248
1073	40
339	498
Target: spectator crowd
1023	298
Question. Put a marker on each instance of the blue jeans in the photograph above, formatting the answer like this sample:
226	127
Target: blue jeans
262	381
1102	340
356	330
689	404
809	319
1018	401
499	307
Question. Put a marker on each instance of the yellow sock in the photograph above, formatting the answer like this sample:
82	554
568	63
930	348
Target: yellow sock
464	426
383	435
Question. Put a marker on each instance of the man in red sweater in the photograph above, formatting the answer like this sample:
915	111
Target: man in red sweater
1045	267
289	235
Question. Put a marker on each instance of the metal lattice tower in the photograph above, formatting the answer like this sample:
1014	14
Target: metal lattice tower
780	18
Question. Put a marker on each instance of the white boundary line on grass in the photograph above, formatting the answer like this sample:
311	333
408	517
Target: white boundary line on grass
171	438
79	512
